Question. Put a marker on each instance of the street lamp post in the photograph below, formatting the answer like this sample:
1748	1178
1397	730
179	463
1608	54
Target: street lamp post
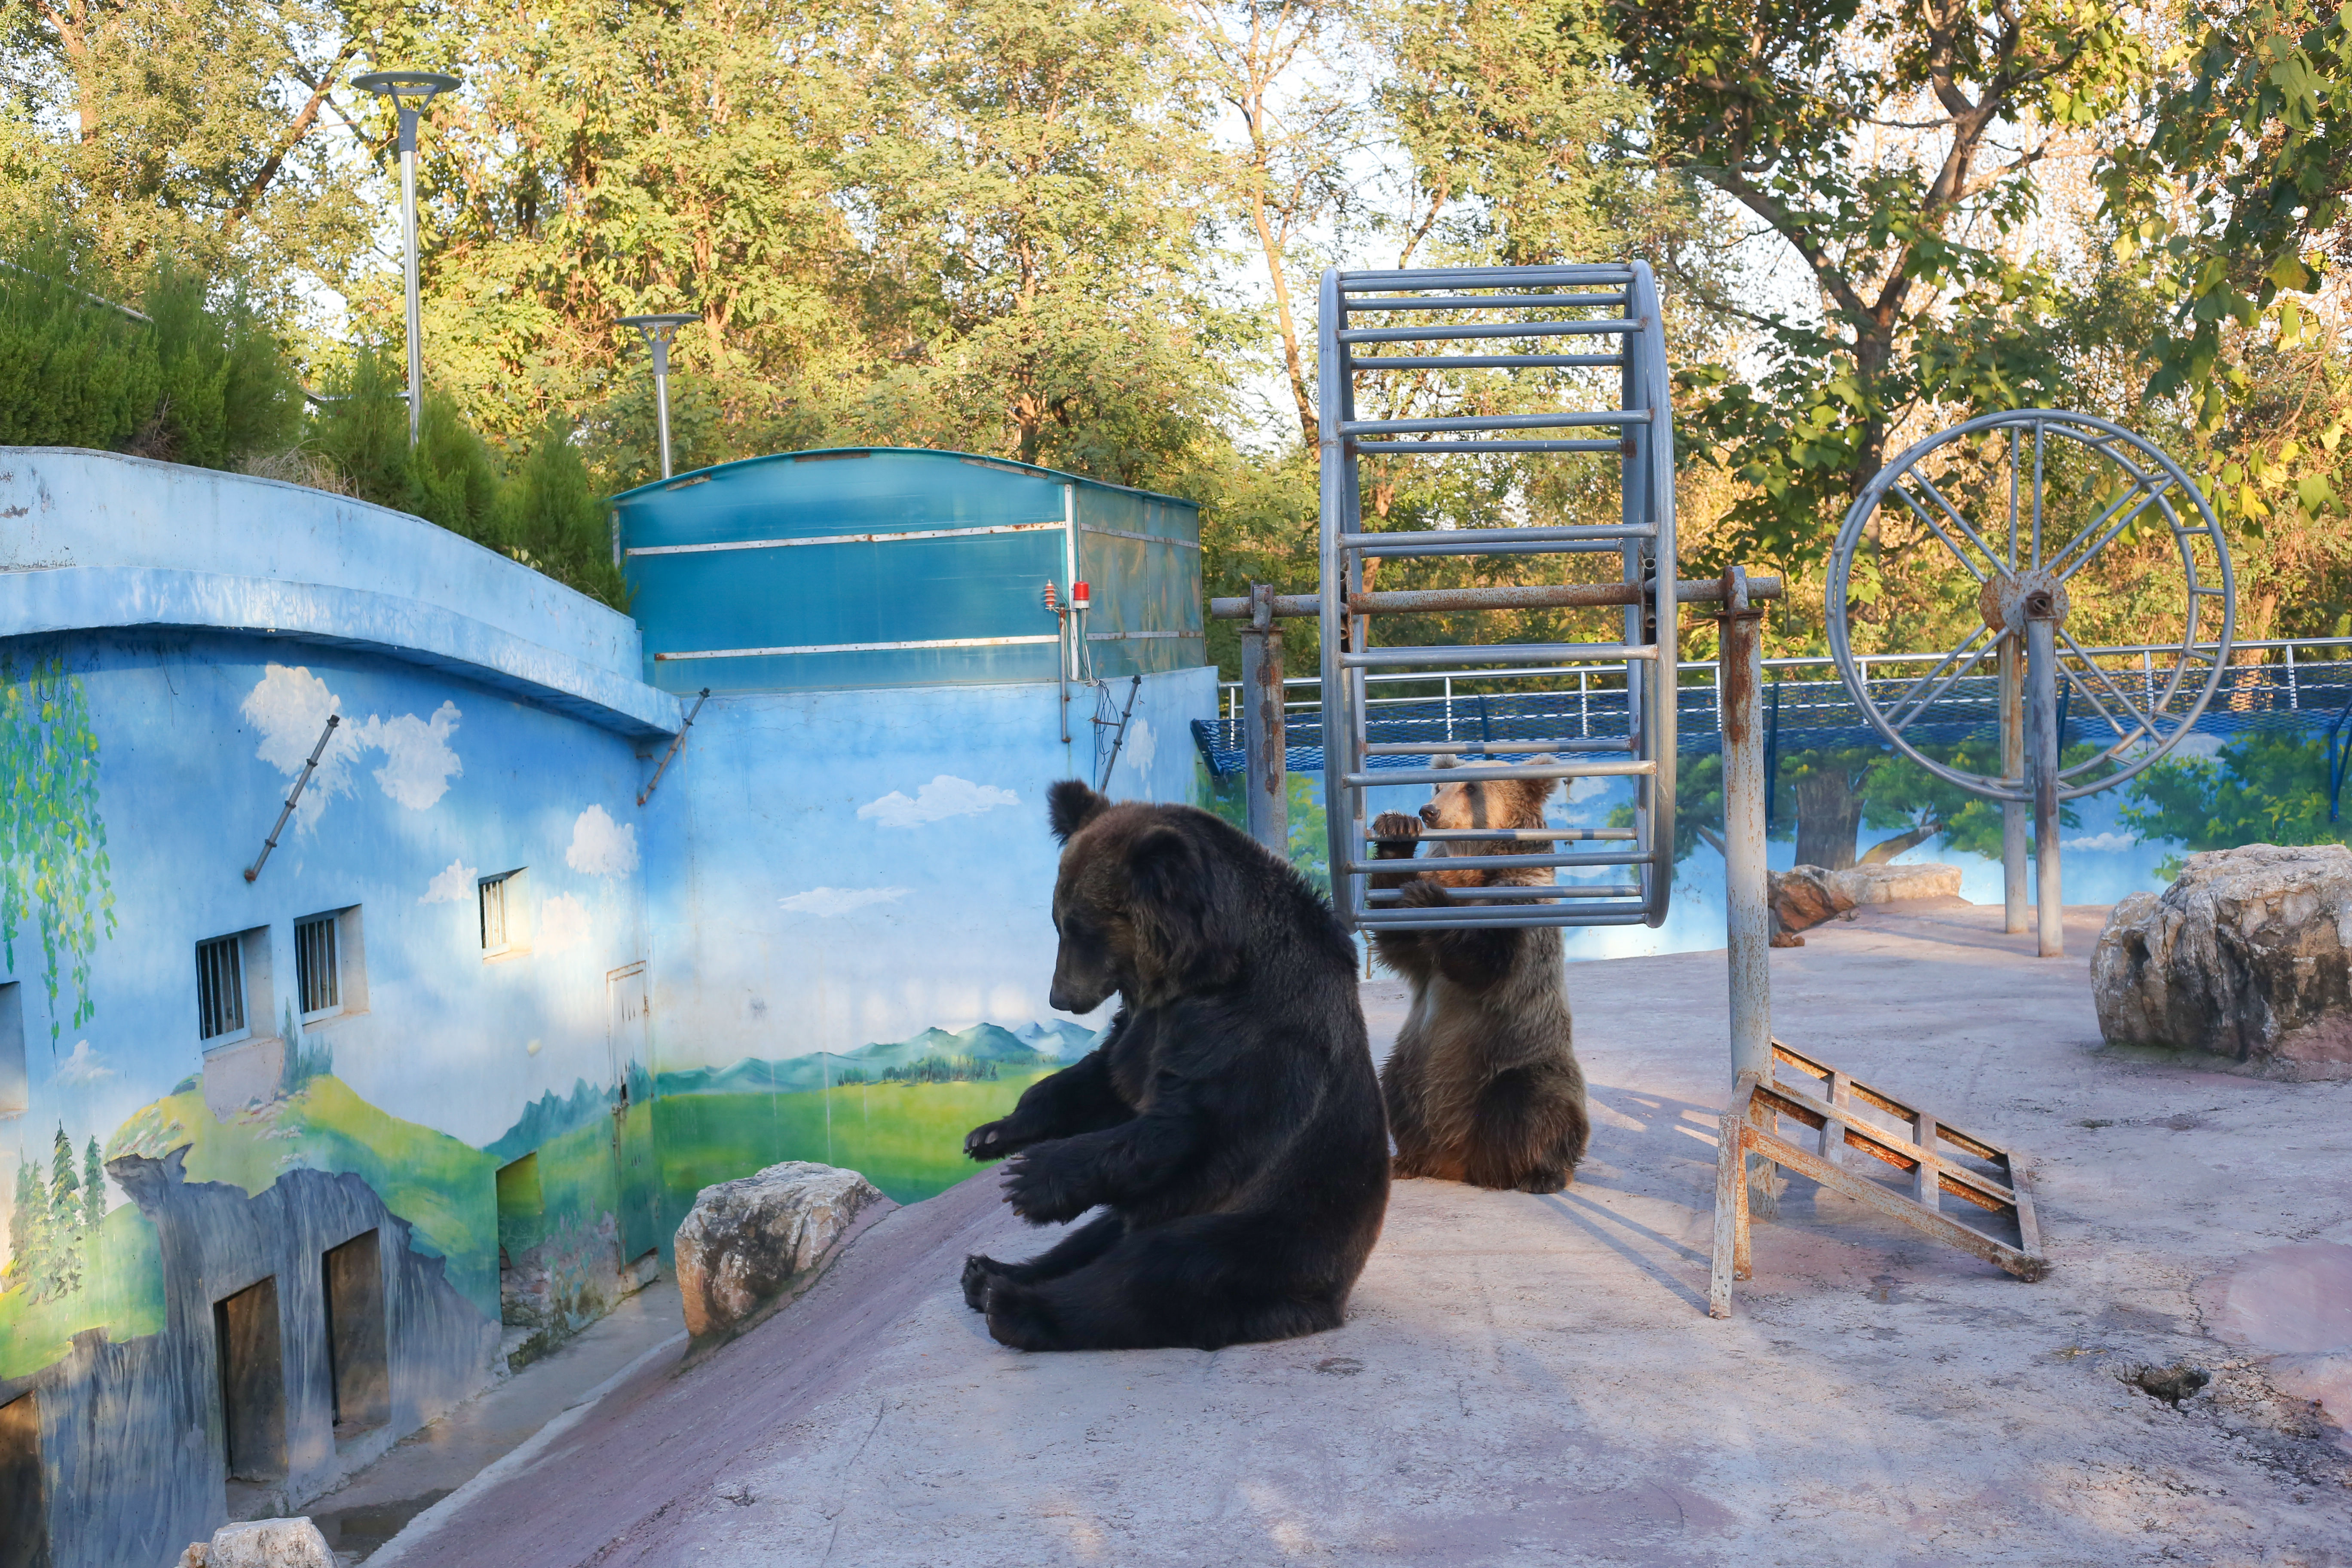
658	330
410	91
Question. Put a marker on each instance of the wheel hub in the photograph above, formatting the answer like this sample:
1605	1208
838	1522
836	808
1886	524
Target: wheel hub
2010	599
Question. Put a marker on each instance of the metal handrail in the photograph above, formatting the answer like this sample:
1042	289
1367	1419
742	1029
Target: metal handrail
1228	690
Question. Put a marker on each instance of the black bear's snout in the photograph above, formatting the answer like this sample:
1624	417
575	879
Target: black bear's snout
1429	814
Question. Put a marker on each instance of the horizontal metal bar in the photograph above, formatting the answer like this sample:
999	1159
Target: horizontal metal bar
1561	421
1390	918
1140	637
1511	771
1489	330
1513	835
1492	863
1129	533
1503	653
1410	279
1511	894
1057	525
1484	362
860	647
1538	894
1439	448
1504	748
1444	539
1557	547
1545	596
1485	301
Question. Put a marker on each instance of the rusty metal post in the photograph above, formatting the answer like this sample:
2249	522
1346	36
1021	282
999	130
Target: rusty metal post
2013	896
2041	747
1264	737
1747	913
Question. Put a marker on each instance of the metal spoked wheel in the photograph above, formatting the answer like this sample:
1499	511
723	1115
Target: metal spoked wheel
2015	524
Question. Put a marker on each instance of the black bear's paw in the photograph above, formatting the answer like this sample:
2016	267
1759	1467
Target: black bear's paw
1018	1318
979	1274
1398	833
991	1140
1422	894
1543	1179
1041	1192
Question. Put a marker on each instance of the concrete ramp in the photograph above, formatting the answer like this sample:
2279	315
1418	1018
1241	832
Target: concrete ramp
1533	1379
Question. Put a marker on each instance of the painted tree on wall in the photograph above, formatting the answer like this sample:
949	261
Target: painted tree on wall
51	1221
53	861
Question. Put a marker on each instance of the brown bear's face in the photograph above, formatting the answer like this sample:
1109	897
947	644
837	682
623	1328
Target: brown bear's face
1497	803
1141	905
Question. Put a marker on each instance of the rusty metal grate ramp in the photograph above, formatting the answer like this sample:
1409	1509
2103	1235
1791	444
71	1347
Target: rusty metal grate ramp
1937	1157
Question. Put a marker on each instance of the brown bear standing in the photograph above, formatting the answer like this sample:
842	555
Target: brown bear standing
1483	1085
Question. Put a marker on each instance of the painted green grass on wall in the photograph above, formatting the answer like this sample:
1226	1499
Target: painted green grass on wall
122	1291
444	1188
906	1139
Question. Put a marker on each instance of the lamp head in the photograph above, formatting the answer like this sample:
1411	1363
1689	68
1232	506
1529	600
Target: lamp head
403	85
660	328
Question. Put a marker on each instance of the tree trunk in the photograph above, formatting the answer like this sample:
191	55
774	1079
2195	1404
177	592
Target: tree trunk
1829	814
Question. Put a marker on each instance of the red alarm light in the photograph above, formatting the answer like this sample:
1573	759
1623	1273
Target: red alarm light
1078	595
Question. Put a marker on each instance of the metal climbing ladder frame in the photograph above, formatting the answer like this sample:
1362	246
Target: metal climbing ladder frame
1480	307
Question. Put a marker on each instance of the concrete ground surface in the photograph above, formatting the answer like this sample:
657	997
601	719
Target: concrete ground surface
415	1474
1531	1379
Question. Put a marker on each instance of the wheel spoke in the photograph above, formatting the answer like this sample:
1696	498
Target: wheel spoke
2013	499
1924	697
2041	433
2145	722
1991	556
2058	562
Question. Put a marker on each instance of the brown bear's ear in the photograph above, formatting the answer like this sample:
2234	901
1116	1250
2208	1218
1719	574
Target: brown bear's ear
1070	805
1184	937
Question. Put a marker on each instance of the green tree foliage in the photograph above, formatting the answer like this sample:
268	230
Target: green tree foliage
53	860
1924	305
545	512
201	380
2262	788
93	1186
64	1260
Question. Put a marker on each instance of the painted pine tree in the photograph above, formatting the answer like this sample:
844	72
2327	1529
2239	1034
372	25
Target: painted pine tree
93	1187
28	1228
62	1273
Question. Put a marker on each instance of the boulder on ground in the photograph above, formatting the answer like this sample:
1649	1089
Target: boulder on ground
2248	954
262	1544
1885	883
748	1241
1802	896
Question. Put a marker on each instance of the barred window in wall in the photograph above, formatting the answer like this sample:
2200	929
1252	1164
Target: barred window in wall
316	970
494	912
220	988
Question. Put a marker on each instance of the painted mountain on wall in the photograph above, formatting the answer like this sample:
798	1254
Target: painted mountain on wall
984	1050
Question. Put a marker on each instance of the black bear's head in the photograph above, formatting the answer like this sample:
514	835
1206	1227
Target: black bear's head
1476	802
1145	904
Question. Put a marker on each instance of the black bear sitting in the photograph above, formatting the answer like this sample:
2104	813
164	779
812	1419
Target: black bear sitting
1231	1122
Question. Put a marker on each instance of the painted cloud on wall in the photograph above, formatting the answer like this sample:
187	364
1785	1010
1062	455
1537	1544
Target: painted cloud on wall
600	846
84	1066
829	902
946	796
1141	746
290	706
563	924
454	884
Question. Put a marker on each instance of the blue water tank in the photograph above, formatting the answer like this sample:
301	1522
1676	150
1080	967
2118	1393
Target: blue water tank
892	566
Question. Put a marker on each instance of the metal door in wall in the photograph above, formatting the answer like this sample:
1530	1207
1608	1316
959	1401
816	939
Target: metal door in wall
638	1176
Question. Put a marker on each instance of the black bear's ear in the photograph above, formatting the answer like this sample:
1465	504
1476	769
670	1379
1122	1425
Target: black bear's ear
1070	805
1185	939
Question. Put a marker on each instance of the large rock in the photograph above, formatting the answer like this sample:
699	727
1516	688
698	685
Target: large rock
1883	884
748	1241
262	1544
1801	897
2247	954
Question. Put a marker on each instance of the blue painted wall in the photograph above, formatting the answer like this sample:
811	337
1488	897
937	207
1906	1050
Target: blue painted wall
826	934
